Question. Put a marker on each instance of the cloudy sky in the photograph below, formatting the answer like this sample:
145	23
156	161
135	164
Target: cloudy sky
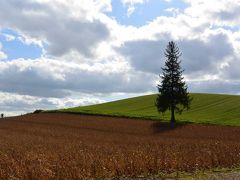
64	53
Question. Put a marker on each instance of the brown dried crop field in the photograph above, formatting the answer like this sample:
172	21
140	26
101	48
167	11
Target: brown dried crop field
67	146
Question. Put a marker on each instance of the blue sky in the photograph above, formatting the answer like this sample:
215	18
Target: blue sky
56	54
18	49
144	13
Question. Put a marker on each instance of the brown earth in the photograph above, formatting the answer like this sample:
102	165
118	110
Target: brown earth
66	146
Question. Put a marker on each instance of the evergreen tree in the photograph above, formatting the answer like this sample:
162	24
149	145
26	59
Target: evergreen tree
172	89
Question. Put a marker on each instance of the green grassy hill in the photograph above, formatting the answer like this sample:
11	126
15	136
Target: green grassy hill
205	108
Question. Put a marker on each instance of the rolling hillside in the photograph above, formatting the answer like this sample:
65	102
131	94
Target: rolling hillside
205	108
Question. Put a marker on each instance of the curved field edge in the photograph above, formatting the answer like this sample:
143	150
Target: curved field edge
216	173
205	108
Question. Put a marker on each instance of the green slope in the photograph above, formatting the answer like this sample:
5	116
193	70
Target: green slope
205	108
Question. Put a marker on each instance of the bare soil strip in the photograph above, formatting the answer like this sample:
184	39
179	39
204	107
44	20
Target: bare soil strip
65	146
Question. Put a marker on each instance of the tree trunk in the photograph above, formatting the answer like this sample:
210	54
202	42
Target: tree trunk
172	115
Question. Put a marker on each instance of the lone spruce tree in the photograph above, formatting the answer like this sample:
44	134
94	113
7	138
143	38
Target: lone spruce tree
172	89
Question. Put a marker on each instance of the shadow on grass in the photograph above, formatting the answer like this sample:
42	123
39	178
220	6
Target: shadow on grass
160	127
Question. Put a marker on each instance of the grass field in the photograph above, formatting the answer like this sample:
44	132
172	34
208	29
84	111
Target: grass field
205	108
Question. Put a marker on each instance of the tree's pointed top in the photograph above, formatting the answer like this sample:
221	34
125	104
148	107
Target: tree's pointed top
171	43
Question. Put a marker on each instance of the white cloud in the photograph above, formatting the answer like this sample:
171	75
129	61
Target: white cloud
51	78
2	54
216	12
174	11
215	86
62	25
30	41
14	104
131	5
204	49
9	37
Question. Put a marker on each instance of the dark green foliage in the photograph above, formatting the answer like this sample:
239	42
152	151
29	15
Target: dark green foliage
172	89
38	111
